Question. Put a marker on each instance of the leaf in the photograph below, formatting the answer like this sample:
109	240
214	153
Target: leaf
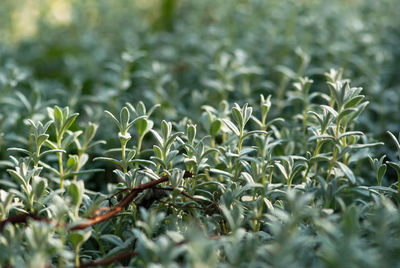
191	132
24	100
282	170
131	155
113	239
215	127
71	137
141	126
396	141
108	159
269	205
330	110
381	173
20	180
157	151
90	132
344	113
273	121
347	171
83	160
142	162
166	128
351	133
84	172
21	150
157	136
354	101
72	161
75	192
51	151
55	171
58	117
41	139
253	132
367	145
323	137
237	116
286	71
39	188
221	172
51	144
396	167
68	123
136	120
247	113
171	139
77	238
258	122
114	119
231	126
124	116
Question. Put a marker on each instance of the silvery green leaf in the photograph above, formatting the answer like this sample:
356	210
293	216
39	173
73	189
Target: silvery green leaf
231	126
157	136
68	123
115	120
215	127
238	117
395	140
221	172
330	110
347	171
113	239
124	116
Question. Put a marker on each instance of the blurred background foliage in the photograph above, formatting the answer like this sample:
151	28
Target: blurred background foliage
190	42
186	54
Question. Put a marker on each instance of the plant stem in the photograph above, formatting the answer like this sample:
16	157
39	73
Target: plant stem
239	149
139	147
316	151
123	152
332	164
77	264
60	164
101	247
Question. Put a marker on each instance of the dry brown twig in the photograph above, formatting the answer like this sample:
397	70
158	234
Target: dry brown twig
98	215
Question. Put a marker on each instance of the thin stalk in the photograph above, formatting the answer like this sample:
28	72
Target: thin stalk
270	177
77	263
75	177
101	247
215	154
398	183
305	123
138	149
239	149
333	161
31	203
117	230
263	178
60	164
344	141
281	92
36	159
316	151
123	153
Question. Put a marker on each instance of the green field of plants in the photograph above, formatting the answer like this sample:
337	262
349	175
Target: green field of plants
178	133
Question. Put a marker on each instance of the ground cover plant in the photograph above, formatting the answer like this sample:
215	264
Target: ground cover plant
199	133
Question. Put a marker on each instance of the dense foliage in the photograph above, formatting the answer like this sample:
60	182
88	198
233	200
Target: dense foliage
172	133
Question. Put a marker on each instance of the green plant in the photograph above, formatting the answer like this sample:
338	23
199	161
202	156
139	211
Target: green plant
256	158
